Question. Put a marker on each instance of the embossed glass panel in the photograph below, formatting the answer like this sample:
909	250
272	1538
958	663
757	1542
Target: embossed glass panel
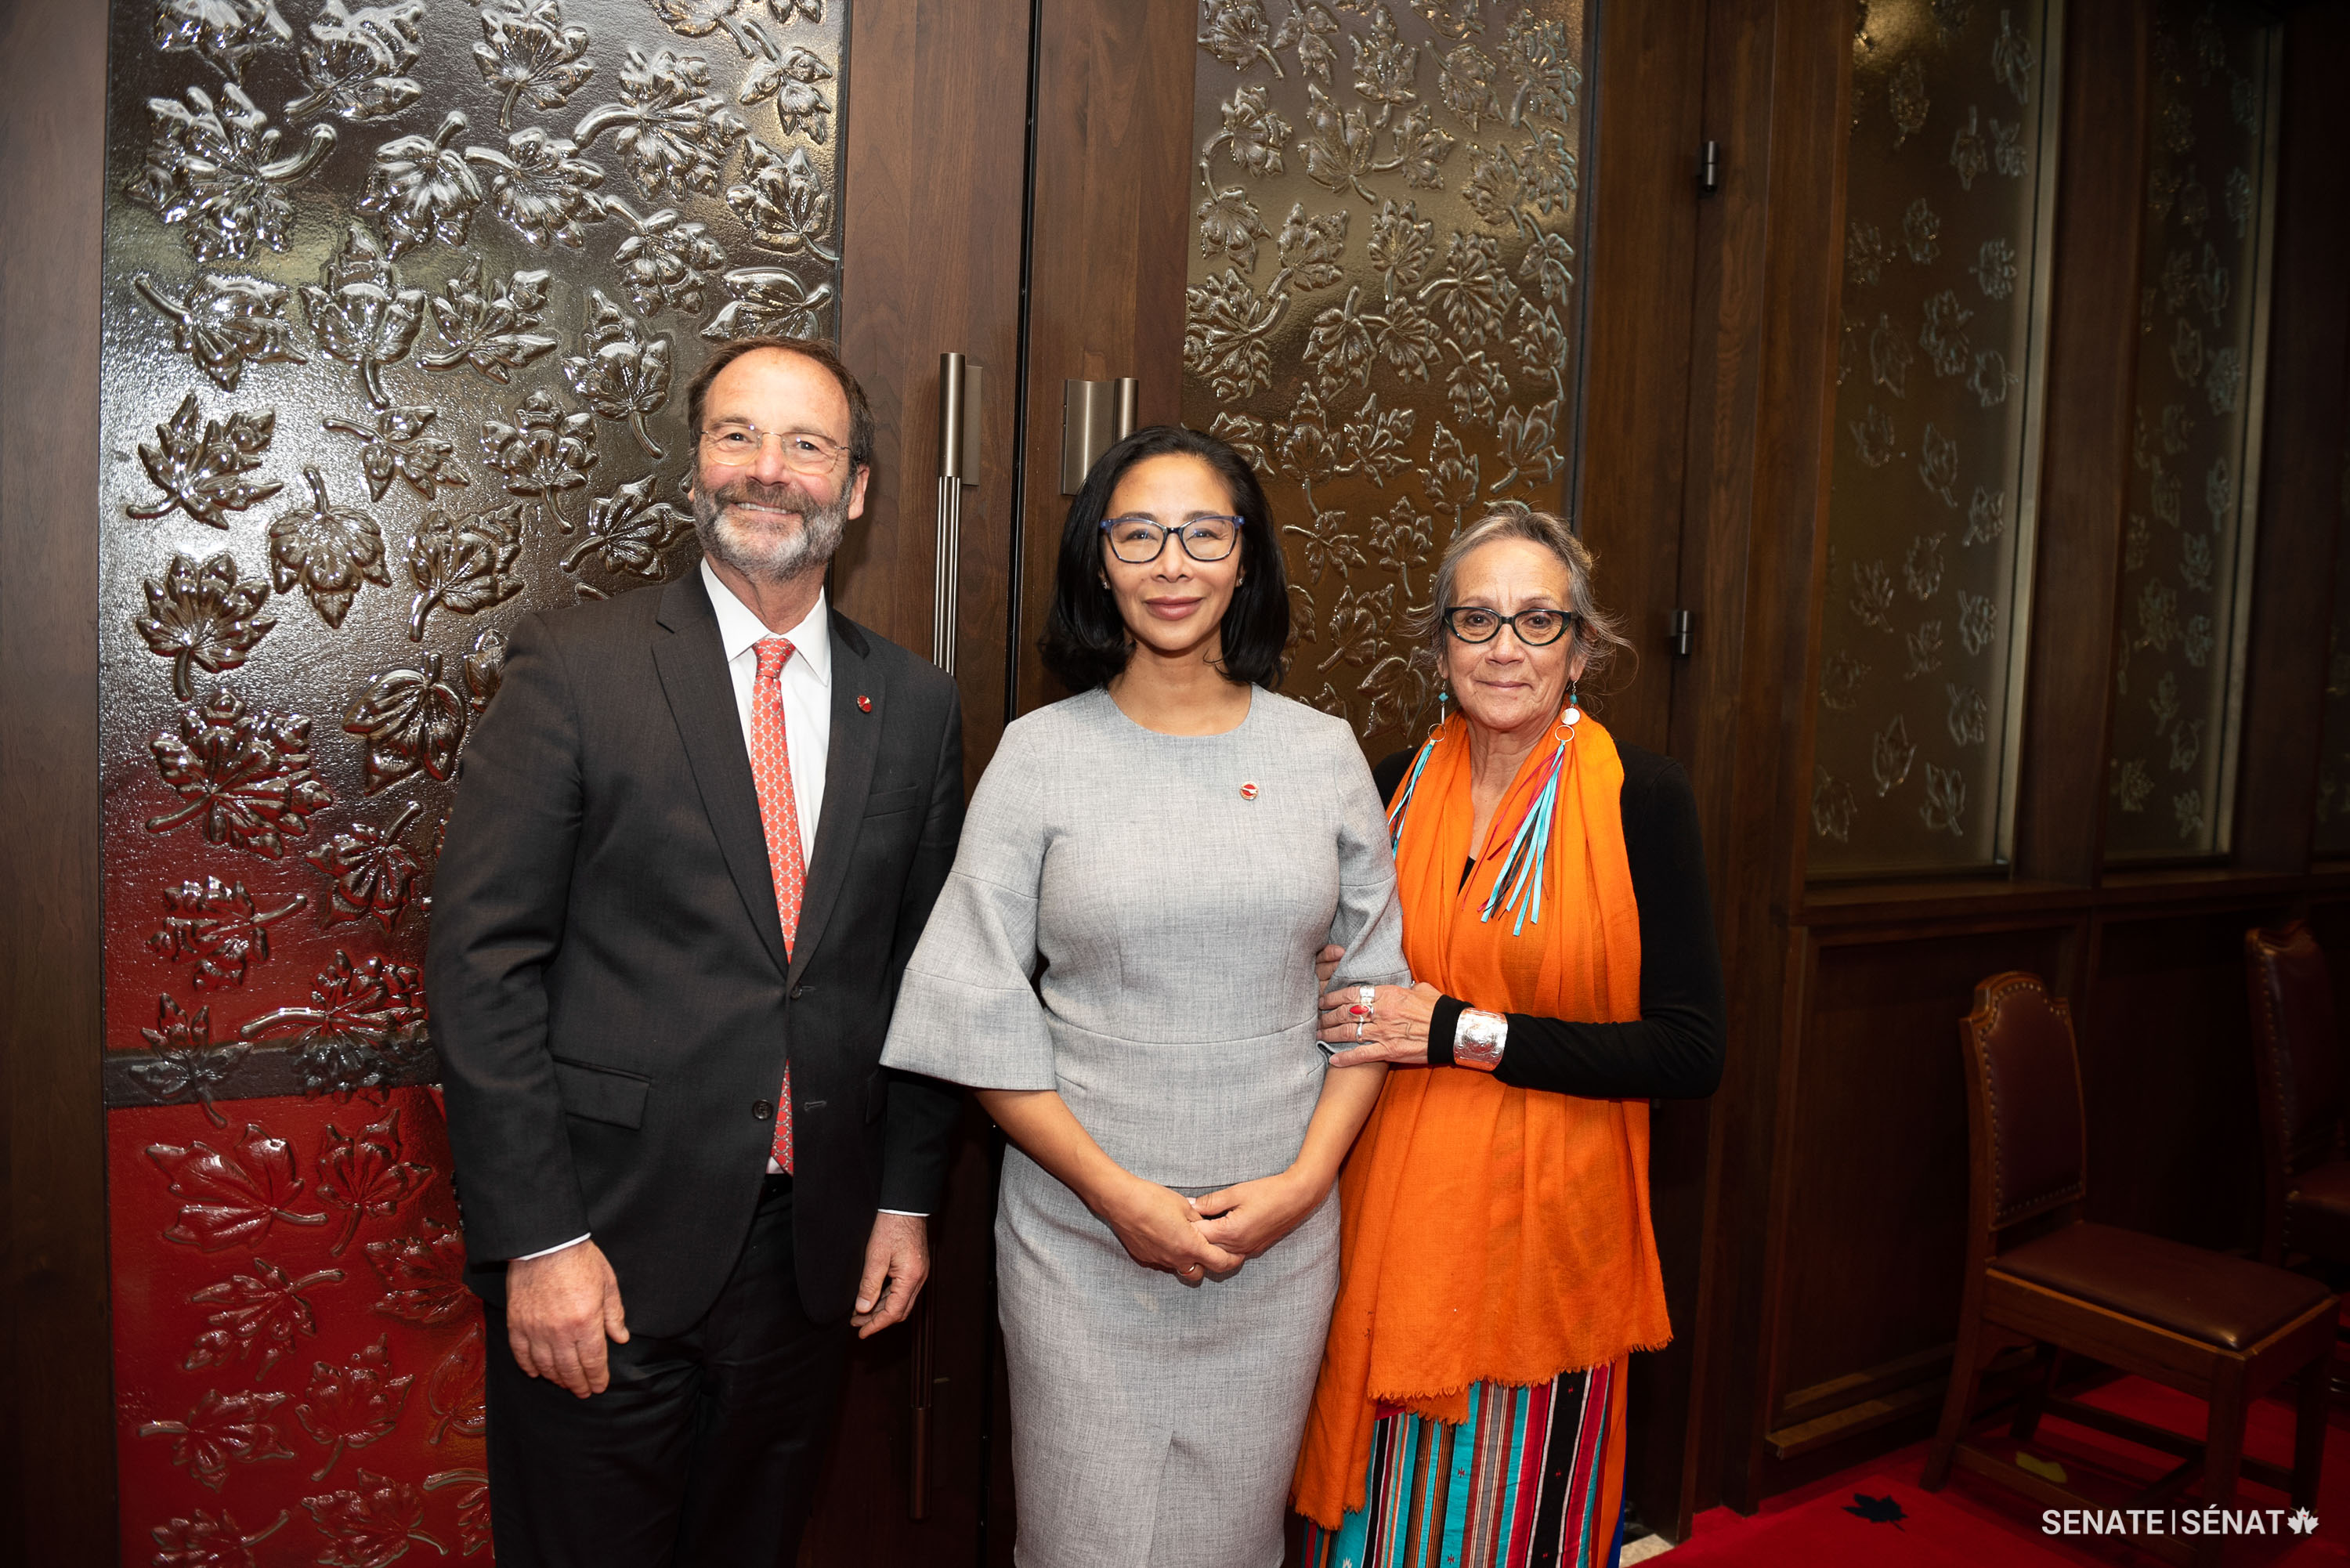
400	301
2178	648
1950	177
1384	313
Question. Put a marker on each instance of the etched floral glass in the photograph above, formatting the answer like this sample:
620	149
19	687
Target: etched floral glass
2179	647
1384	311
1938	413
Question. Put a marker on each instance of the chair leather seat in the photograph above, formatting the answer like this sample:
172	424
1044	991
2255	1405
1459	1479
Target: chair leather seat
2228	1302
2317	1210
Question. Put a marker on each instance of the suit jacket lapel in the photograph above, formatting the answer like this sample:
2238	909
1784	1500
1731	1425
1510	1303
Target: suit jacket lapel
847	780
694	675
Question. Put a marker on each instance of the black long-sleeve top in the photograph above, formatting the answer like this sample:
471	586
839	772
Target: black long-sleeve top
1674	1051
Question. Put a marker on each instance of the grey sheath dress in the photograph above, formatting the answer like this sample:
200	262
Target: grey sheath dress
1177	915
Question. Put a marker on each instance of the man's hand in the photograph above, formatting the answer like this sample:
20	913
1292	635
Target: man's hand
897	1261
560	1309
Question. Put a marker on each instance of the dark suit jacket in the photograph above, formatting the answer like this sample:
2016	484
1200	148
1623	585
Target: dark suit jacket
610	990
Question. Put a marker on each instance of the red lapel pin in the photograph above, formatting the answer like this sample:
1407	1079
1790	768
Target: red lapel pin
1248	791
864	704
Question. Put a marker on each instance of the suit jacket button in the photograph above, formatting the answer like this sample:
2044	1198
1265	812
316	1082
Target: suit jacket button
799	991
762	1110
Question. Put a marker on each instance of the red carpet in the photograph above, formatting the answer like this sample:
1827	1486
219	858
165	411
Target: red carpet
1877	1514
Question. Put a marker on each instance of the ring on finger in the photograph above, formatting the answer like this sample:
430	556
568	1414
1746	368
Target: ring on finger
1365	999
1359	1027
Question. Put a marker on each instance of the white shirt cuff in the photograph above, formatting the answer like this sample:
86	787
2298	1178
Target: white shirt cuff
908	1213
550	1252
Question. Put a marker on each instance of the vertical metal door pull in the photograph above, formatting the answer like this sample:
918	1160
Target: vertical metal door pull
960	383
921	1373
1095	416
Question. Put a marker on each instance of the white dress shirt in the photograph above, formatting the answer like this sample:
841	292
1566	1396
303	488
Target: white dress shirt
806	686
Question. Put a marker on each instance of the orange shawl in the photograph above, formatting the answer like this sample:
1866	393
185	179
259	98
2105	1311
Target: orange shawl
1493	1234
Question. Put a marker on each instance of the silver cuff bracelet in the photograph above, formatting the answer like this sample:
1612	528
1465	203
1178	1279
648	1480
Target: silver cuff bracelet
1478	1040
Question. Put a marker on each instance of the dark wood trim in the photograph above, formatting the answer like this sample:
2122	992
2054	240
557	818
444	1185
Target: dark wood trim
937	134
1777	96
2093	348
1113	237
1649	101
57	1444
2302	454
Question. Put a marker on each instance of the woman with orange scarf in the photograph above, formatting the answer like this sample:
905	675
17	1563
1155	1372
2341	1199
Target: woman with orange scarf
1498	1267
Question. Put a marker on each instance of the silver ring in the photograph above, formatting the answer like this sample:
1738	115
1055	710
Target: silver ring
1359	1027
1367	997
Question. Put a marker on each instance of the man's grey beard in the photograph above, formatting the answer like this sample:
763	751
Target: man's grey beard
769	556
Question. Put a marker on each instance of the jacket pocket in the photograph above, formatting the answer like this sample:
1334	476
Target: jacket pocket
602	1094
881	802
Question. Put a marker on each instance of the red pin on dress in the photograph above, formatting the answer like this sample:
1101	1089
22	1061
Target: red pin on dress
864	704
1248	791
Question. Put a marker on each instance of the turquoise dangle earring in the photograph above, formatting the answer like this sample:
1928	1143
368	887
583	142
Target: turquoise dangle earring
1574	713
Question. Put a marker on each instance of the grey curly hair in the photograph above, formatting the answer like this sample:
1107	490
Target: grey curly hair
1598	633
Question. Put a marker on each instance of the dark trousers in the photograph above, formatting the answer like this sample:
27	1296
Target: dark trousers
704	1450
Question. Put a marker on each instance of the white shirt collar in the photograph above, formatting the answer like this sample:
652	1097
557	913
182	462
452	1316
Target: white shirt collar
739	629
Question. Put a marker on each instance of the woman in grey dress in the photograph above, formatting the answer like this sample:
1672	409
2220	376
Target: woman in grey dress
1173	845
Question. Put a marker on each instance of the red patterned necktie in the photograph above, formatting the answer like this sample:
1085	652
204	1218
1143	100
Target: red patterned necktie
779	815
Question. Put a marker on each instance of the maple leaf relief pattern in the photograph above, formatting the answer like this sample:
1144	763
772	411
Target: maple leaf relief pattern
372	872
186	1063
210	1541
244	776
198	464
202	616
367	1173
223	1429
262	1311
327	551
231	1196
219	925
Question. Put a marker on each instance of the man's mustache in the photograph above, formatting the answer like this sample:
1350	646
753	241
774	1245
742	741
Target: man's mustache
776	497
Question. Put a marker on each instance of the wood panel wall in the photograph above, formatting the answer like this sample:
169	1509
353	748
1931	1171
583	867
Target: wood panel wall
1837	1203
57	1425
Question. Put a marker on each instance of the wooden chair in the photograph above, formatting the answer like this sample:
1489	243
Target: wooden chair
2226	1330
2297	1058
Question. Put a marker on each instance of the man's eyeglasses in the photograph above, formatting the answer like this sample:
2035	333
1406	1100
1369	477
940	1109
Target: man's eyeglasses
1536	628
738	445
1137	541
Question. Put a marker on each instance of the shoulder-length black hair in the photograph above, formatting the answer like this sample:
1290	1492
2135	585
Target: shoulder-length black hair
1085	642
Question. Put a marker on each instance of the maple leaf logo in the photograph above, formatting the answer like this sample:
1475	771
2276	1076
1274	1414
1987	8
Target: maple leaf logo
367	1173
372	1525
217	924
472	1506
186	1061
202	616
364	1026
353	1404
197	464
423	1275
245	775
327	551
263	1310
210	1541
221	1428
457	1391
233	1196
372	871
412	720
2302	1522
465	566
630	530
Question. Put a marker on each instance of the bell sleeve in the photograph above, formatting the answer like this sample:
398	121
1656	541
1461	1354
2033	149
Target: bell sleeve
1369	922
968	1011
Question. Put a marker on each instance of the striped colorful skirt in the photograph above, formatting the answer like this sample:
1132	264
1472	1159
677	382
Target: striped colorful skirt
1534	1477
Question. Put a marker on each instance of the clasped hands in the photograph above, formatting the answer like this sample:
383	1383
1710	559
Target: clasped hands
1211	1236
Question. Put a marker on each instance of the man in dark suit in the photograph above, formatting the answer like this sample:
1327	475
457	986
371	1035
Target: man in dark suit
696	837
